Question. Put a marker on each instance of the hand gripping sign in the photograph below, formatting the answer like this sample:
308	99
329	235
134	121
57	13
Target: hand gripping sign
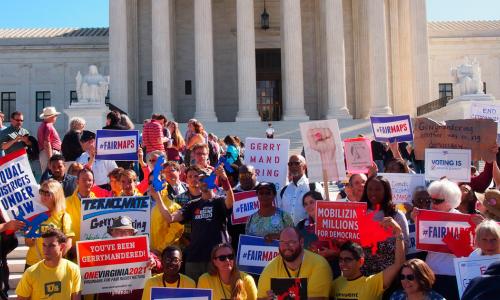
245	205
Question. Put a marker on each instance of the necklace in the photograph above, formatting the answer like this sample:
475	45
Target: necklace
165	281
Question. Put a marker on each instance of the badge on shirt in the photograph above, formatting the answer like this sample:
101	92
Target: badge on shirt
52	288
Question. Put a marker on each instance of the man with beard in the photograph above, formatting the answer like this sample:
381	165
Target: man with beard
171	259
57	170
289	199
296	262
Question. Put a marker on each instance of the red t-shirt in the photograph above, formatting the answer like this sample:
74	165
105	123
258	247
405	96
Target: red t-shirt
46	131
152	136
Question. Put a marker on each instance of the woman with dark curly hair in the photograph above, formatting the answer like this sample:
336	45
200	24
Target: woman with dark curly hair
378	196
416	279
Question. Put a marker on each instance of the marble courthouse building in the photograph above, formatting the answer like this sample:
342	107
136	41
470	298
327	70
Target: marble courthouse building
213	60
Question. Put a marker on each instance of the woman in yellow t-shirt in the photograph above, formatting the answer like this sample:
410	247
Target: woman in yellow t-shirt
52	196
129	184
224	278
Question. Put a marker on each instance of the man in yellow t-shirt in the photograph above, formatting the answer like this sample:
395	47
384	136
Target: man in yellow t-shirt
85	181
163	233
295	262
352	285
171	259
54	277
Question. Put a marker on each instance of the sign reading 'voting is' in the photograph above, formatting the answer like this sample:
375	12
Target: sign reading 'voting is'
453	164
392	129
117	144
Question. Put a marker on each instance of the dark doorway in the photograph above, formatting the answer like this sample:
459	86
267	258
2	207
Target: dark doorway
268	67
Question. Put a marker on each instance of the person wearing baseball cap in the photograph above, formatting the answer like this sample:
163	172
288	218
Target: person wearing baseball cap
121	226
49	142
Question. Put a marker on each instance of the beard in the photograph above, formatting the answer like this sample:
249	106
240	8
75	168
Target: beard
291	257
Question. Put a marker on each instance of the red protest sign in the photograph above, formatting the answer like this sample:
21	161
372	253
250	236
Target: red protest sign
339	220
245	205
435	229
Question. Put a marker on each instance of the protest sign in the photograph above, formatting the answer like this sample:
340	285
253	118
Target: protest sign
164	293
289	288
19	196
358	155
339	220
468	268
453	164
480	110
98	214
479	135
254	253
392	128
117	144
403	185
412	247
433	226
324	150
113	265
269	157
245	205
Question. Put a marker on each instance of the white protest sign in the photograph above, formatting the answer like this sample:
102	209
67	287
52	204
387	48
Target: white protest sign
480	110
269	157
453	164
467	268
98	213
324	150
403	185
358	155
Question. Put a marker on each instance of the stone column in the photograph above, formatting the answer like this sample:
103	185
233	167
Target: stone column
204	61
377	58
291	61
420	57
247	94
335	60
162	81
118	54
406	64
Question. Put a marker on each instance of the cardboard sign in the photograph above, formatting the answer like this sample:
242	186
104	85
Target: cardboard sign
358	155
453	164
392	128
113	265
432	226
480	110
245	205
289	288
339	220
117	144
19	196
254	253
479	135
269	157
164	293
324	150
98	215
403	185
468	268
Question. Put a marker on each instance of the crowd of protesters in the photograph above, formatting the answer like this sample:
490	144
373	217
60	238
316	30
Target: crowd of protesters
193	242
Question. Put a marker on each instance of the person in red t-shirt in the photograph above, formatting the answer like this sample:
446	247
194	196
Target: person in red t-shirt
49	141
152	134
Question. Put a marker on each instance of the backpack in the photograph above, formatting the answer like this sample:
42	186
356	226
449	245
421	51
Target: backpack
33	151
312	187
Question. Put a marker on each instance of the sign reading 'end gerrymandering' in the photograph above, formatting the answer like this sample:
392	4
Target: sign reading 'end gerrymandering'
339	220
113	265
117	144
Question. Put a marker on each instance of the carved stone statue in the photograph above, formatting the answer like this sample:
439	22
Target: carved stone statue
468	76
91	88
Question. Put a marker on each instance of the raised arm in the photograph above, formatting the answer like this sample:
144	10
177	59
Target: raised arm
170	218
221	174
390	273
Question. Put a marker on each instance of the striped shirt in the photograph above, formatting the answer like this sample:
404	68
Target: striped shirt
152	136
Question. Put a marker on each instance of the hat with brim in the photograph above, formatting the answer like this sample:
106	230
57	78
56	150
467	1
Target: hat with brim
48	112
122	222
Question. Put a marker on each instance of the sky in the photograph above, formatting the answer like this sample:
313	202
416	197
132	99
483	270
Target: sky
95	13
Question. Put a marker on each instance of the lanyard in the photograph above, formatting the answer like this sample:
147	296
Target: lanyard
165	281
288	272
222	287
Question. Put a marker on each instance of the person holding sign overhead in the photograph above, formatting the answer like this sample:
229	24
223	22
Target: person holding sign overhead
224	278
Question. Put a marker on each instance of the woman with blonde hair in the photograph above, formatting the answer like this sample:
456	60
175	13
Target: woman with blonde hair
52	196
178	144
224	278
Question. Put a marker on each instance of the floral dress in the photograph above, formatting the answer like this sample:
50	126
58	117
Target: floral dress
261	226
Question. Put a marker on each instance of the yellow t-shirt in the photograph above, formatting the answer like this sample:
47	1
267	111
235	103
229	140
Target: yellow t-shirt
74	209
56	220
363	288
157	281
314	267
223	291
164	234
42	282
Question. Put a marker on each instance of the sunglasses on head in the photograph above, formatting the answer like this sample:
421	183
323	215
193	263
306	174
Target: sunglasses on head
225	257
409	277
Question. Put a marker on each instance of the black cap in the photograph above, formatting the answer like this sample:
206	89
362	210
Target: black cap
87	136
267	185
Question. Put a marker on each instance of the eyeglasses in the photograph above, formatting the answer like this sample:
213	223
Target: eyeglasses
293	163
346	260
225	257
437	201
44	193
174	260
18	120
409	277
289	243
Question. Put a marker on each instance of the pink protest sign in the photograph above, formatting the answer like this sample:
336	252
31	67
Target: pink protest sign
358	155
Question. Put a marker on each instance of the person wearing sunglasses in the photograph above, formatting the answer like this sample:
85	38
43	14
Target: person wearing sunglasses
224	277
51	196
14	137
416	280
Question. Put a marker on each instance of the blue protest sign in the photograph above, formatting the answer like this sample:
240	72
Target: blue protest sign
392	129
117	144
254	253
161	293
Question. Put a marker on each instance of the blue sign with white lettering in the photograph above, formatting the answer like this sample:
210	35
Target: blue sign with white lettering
159	293
254	253
117	144
392	129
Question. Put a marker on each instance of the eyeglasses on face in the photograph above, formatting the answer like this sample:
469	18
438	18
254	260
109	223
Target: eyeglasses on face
409	277
225	257
437	201
18	120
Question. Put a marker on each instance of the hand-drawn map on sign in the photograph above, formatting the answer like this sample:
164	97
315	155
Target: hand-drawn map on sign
479	135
